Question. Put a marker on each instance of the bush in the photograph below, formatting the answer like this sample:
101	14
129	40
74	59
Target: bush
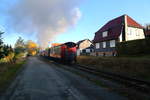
135	47
20	55
8	58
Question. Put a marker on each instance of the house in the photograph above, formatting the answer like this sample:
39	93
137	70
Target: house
83	44
120	29
88	50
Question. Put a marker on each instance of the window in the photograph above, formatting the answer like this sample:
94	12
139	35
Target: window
104	44
88	50
112	43
129	31
97	45
105	34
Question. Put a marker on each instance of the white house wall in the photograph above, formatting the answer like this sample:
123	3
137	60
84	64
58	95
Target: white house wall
78	52
85	44
120	37
134	33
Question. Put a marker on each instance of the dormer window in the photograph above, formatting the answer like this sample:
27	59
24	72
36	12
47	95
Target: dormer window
105	34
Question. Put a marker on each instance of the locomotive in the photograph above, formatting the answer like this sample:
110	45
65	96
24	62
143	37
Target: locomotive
65	53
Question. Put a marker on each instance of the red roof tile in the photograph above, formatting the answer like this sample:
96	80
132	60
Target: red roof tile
133	23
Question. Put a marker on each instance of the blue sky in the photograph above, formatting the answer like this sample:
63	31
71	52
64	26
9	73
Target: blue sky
95	13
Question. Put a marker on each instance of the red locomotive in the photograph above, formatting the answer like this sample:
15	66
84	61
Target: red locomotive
65	52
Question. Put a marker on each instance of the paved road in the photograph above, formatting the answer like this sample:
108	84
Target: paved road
42	81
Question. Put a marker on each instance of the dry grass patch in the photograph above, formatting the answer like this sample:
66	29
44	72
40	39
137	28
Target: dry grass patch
132	66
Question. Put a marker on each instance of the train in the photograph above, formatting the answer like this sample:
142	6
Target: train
65	52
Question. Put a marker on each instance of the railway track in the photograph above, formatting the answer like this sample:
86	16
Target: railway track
139	85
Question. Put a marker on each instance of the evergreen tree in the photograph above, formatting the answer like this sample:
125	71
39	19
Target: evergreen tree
1	45
19	46
6	50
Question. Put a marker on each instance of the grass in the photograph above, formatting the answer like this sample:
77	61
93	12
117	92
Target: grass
138	67
8	73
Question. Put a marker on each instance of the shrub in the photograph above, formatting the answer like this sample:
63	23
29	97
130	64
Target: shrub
8	58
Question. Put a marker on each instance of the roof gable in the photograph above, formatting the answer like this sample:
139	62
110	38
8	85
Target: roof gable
113	23
79	42
113	27
133	23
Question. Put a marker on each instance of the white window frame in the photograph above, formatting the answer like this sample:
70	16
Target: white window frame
104	44
105	34
97	45
112	43
88	50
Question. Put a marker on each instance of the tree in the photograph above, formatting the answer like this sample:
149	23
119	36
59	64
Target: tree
1	45
147	27
19	46
32	47
7	50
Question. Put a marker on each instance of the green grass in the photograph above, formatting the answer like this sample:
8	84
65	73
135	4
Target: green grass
8	73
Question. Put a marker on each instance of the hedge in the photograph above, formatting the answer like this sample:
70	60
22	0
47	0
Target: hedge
135	47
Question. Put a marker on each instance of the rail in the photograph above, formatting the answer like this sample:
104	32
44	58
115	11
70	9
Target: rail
138	84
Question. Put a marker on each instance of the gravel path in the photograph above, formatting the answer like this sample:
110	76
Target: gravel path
42	81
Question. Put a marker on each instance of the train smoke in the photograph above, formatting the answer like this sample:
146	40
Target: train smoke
45	18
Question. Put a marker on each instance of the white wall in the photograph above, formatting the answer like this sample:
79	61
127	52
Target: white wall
134	33
78	52
82	46
85	44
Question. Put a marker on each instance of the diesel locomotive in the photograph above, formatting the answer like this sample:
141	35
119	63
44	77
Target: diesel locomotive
65	53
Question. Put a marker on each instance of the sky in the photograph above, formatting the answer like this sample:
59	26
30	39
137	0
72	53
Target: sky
77	19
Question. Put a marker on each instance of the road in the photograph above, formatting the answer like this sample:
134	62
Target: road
42	81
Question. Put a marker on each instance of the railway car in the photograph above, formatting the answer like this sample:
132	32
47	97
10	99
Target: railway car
65	52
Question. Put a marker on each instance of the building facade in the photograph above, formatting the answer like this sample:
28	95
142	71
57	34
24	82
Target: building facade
88	50
120	29
82	45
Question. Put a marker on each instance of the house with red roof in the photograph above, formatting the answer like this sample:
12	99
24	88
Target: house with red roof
120	29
